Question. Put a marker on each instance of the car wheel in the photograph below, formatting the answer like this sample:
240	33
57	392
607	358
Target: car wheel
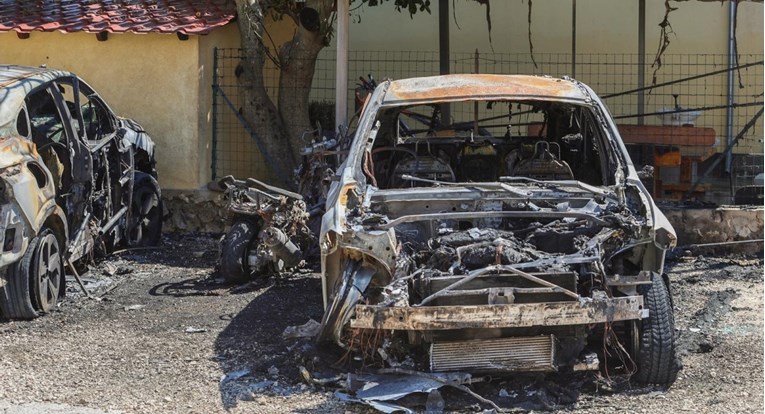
235	248
145	223
34	283
349	290
656	356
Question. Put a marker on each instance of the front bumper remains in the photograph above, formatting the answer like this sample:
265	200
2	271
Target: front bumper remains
428	318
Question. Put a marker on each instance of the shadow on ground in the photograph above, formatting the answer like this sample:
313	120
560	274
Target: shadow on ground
194	251
252	345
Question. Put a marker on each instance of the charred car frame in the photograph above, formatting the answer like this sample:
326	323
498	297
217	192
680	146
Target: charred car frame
512	235
75	179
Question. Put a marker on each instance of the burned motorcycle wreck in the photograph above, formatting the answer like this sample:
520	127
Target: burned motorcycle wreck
272	229
268	232
477	246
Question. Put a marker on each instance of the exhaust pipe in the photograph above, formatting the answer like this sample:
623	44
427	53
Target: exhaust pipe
282	247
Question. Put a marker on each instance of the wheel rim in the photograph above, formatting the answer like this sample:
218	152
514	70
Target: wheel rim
48	272
145	211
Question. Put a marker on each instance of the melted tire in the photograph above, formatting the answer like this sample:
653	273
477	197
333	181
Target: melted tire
145	224
234	251
657	358
16	294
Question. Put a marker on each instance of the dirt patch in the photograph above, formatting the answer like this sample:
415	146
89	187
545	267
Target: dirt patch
167	336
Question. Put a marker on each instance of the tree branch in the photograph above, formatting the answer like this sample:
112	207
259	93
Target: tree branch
735	44
666	30
531	45
487	3
454	14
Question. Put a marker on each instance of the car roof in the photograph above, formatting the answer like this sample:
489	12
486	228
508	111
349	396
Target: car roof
15	84
483	87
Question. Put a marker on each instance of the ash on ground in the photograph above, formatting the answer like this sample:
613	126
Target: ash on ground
164	334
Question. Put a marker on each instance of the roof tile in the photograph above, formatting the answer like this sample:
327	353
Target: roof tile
191	17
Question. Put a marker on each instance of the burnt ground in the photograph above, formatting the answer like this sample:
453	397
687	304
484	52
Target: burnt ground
166	337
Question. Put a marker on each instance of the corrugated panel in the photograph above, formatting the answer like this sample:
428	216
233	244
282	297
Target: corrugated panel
535	353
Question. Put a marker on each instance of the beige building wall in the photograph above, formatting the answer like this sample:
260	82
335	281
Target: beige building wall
226	37
603	26
153	78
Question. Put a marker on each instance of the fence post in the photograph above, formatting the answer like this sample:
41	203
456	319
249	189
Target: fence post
475	105
341	74
641	62
444	53
731	63
214	149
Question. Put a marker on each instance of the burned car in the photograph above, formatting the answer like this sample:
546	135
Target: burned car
75	180
490	223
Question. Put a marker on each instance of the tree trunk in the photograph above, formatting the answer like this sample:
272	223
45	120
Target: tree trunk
298	59
258	109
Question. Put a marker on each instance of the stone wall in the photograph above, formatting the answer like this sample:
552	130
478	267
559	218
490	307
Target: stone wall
722	224
194	211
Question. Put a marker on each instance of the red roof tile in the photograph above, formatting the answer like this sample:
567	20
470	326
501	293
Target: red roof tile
116	16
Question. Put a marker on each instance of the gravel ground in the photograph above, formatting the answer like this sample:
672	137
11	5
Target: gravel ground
165	337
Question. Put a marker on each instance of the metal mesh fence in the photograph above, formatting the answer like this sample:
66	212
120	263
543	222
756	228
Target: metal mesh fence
680	128
235	150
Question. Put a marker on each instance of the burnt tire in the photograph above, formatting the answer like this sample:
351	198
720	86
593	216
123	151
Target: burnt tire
235	248
34	283
144	226
656	360
348	291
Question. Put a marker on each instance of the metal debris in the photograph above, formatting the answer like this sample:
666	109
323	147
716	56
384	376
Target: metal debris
109	269
391	384
191	329
307	330
435	403
307	377
234	375
381	406
378	387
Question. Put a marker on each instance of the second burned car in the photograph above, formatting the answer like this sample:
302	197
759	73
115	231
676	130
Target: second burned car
517	237
75	180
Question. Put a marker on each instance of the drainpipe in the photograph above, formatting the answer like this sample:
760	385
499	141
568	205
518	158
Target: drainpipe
214	149
443	52
573	39
641	62
731	64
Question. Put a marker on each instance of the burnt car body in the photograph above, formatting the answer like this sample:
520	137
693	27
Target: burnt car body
517	237
75	180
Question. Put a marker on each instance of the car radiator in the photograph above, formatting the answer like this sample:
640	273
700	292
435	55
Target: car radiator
536	353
